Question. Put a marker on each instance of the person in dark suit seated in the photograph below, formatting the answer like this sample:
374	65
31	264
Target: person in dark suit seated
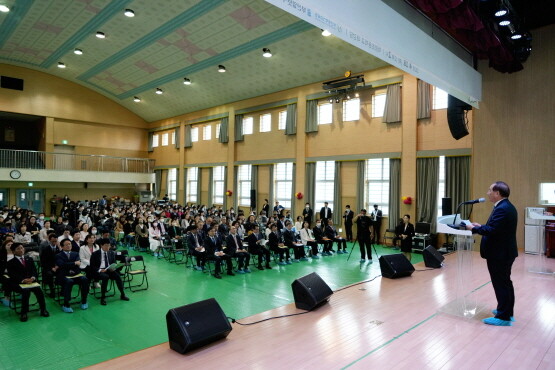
76	242
321	238
281	223
22	270
499	248
48	262
332	235
256	247
68	273
290	240
196	248
101	260
276	245
176	233
405	232
325	213
214	250
234	248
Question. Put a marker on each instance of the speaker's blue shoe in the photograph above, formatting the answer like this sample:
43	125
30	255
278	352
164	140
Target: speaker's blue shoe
240	271
84	306
315	256
282	263
495	313
67	309
247	270
304	259
289	262
497	322
362	260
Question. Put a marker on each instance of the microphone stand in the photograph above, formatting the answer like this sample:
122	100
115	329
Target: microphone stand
454	226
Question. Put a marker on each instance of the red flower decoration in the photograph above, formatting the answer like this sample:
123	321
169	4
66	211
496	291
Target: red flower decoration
299	195
229	193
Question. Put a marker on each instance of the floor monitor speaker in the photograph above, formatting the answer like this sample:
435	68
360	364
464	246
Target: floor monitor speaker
395	266
310	291
196	324
432	258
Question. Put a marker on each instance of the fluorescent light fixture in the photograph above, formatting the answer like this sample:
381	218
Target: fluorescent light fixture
136	99
159	91
129	13
78	51
326	33
505	22
4	9
516	36
266	53
186	81
100	35
221	68
61	65
501	12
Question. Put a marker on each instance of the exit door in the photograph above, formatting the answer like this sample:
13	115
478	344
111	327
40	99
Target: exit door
31	199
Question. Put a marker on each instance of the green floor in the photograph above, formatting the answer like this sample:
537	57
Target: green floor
69	341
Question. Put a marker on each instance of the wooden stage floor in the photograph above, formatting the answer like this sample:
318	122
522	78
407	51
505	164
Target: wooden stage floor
391	324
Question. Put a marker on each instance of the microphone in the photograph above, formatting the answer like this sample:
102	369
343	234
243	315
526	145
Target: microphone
480	200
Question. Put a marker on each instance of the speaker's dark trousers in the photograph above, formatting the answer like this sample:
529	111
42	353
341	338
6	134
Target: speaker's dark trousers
365	244
349	230
500	273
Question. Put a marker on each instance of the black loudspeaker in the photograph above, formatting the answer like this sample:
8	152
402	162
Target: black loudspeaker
446	206
395	266
11	83
432	258
253	199
456	117
310	291
196	324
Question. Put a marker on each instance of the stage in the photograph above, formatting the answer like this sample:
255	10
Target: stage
388	323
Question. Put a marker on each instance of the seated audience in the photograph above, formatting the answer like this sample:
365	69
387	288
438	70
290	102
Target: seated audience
214	250
308	239
321	238
290	241
48	261
68	274
332	234
276	245
256	247
196	248
234	248
102	269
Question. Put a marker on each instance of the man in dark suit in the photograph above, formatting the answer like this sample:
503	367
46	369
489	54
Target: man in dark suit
68	274
348	217
276	245
196	247
256	247
498	247
100	262
234	248
376	224
22	270
364	222
48	261
325	213
331	234
215	252
308	213
290	241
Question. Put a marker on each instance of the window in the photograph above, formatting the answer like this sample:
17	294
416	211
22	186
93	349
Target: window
324	185
218	125
165	137
247	125
283	183
351	109
218	179
173	138
172	183
325	113
194	134
266	122
378	105
244	184
282	118
547	193
441	185
376	184
440	99
154	140
192	185
207	132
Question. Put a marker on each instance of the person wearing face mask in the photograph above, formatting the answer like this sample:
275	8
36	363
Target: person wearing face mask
348	217
60	228
308	213
155	238
141	233
321	238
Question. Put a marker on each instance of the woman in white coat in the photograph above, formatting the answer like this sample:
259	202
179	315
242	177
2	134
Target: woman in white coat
307	238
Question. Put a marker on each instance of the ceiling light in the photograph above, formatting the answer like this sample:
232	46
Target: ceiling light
331	100
100	35
78	51
159	91
186	81
266	53
4	9
516	36
326	33
61	65
501	12
356	95
221	68
505	22
129	13
136	99
337	100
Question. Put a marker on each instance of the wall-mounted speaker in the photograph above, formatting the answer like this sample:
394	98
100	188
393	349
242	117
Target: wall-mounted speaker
456	117
432	258
11	83
195	325
394	266
310	291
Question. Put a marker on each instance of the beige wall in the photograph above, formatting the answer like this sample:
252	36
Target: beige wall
514	131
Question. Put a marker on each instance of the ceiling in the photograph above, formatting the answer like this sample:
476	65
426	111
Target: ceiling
168	41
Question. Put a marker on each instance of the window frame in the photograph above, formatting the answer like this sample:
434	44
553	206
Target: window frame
262	125
283	186
191	196
248	125
319	110
194	134
155	140
244	185
207	132
371	179
375	105
351	113
324	177
218	184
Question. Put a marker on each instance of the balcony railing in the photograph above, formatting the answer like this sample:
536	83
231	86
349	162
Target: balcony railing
73	162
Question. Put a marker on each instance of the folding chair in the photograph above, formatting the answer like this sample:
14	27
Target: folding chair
135	268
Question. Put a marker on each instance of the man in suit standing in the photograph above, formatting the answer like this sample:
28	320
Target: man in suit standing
376	224
68	273
348	217
215	252
498	247
100	263
325	213
22	270
307	213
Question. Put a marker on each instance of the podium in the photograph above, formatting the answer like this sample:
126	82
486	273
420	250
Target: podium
465	305
540	265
